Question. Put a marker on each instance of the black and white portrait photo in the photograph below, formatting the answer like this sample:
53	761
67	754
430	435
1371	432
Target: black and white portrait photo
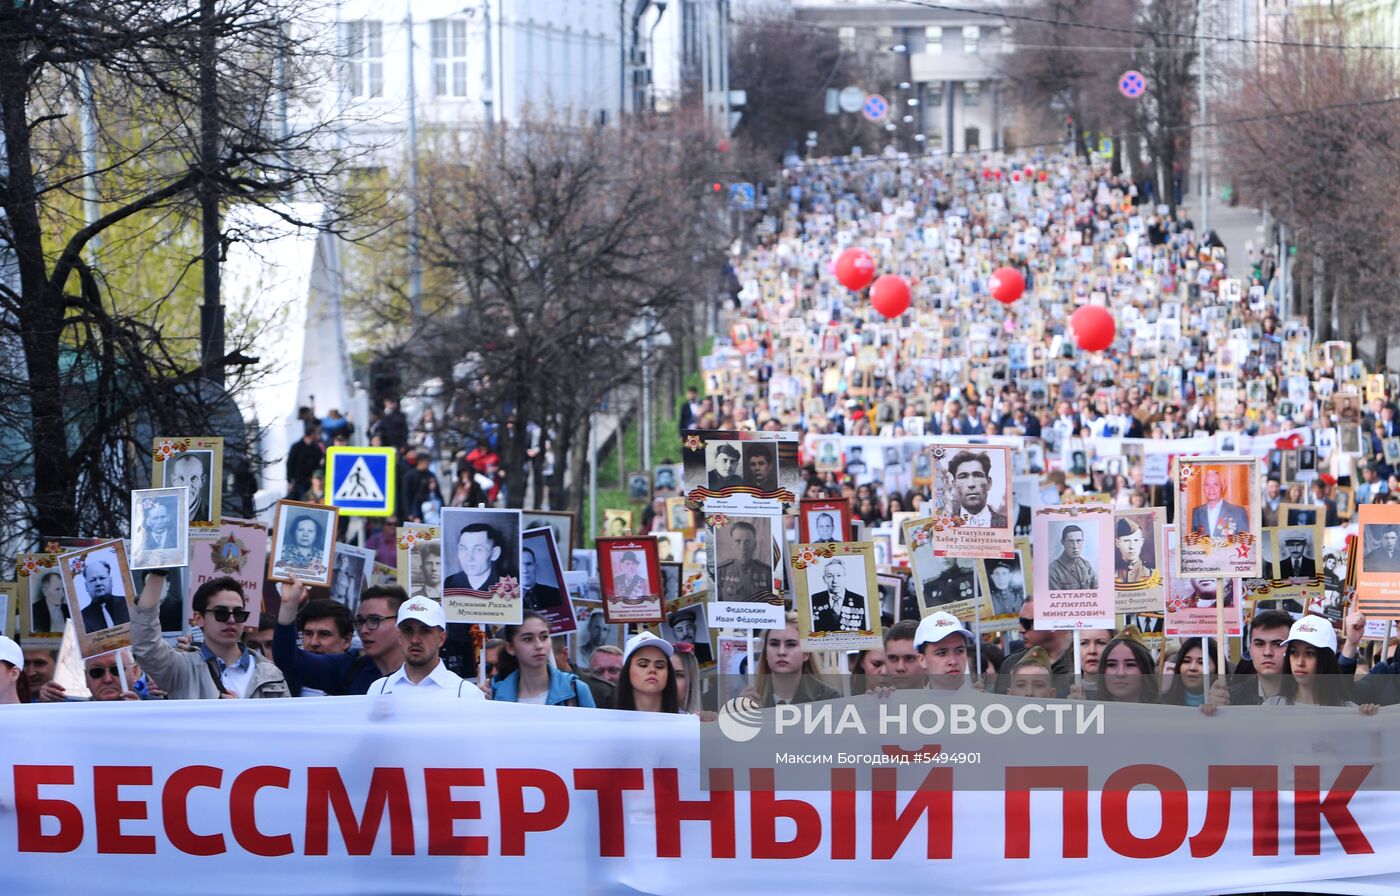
838	595
191	470
666	482
744	559
723	465
350	574
561	523
1074	562
98	584
686	626
479	548
159	528
638	486
425	569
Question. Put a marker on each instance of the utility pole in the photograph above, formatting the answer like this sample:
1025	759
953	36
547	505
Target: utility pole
415	265
487	82
211	313
1204	160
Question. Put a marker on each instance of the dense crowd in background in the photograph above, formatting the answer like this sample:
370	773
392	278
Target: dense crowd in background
1198	355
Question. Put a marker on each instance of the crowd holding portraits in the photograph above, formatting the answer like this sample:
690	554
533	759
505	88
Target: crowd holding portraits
542	581
194	464
159	528
630	576
98	585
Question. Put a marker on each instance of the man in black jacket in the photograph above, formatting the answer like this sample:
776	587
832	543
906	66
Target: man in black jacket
304	459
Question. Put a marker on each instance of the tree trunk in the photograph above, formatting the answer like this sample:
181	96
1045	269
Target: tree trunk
1334	325
40	314
1318	287
563	442
578	467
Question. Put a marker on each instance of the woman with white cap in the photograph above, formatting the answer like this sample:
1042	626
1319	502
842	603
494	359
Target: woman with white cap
647	682
1311	676
14	687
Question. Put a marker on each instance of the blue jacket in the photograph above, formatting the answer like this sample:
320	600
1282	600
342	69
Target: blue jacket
563	687
338	674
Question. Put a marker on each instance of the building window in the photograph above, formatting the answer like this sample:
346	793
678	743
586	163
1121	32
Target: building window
972	139
885	33
972	93
972	38
847	35
934	94
364	58
449	52
934	143
933	39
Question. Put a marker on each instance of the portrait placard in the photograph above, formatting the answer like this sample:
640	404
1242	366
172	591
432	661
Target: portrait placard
1191	607
350	574
670	546
1139	558
100	593
43	605
941	582
303	543
617	523
419	560
159	528
837	596
826	454
747	558
639	486
630	576
1074	585
679	517
1300	515
1293	566
542	581
9	608
972	506
195	463
740	472
1378	573
176	597
591	625
667	481
685	623
1005	584
824	520
481	565
1218	517
238	549
560	521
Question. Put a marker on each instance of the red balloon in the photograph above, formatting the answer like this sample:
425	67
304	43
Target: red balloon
890	295
986	174
1016	176
997	174
1007	285
1044	175
1029	171
1093	327
855	268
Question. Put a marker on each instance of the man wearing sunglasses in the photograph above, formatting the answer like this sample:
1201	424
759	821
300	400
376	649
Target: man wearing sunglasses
103	680
222	667
343	671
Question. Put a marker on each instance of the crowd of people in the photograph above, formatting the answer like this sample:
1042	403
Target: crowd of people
1198	356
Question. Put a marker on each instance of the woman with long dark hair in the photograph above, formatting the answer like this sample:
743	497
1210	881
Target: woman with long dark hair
787	673
1311	675
647	682
1188	677
1127	671
524	673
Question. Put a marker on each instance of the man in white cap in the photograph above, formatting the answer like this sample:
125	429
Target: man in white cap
943	646
422	632
11	669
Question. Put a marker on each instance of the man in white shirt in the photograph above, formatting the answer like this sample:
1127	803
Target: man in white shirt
422	632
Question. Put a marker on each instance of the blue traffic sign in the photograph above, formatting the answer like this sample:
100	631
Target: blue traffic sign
876	107
361	480
742	196
1132	84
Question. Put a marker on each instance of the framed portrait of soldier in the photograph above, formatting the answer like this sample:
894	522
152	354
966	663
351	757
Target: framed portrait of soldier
175	600
667	480
350	574
685	623
194	463
1344	496
891	589
560	521
746	550
740	472
1390	446
592	629
542	581
837	587
1300	514
1378	572
481	553
43	601
972	501
639	486
630	576
420	560
617	523
303	543
1294	566
1139	555
1004	584
679	517
1218	517
97	582
824	519
671	582
941	582
159	528
1074	578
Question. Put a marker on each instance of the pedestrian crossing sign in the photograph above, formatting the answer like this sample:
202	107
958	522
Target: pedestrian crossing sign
360	481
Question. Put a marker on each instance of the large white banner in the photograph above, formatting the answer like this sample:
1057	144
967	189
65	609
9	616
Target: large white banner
367	795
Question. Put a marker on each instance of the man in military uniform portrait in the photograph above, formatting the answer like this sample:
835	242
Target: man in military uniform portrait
630	582
837	608
1295	564
1128	539
741	574
725	472
1007	592
1070	571
952	580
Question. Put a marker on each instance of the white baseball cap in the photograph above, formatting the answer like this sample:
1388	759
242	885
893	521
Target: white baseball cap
10	653
935	628
646	639
1314	630
428	612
